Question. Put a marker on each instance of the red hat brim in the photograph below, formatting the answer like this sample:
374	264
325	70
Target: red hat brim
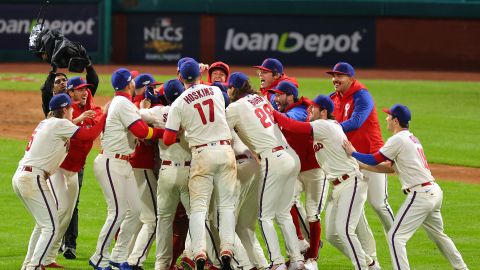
82	85
387	111
263	68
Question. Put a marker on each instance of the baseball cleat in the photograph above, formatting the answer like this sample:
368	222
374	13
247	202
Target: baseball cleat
54	265
200	261
121	266
298	265
98	267
70	253
374	266
187	263
226	259
311	264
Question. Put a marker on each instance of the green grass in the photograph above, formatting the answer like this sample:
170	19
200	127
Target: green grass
444	114
459	211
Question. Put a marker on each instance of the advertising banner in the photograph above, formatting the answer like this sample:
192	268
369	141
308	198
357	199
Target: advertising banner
294	40
77	22
162	38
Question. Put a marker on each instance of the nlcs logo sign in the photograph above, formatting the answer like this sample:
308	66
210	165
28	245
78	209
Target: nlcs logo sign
313	43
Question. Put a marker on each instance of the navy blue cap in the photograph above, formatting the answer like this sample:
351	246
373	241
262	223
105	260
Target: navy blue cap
59	101
342	68
272	65
190	70
285	87
237	80
183	60
401	112
76	83
173	89
322	101
121	78
143	80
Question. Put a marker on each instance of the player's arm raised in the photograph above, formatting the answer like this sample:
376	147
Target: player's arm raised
292	125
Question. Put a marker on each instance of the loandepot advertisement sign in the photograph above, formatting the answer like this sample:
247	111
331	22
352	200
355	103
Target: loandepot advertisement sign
296	40
78	22
162	39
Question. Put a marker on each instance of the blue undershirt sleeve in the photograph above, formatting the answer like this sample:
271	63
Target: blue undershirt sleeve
368	159
363	107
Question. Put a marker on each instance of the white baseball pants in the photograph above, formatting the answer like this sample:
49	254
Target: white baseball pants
279	173
342	215
172	189
33	191
147	188
213	175
421	207
119	187
64	187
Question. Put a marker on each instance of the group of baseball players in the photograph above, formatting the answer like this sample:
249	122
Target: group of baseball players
196	166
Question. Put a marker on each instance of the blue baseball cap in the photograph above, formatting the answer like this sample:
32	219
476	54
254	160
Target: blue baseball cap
173	89
121	78
342	68
401	112
59	101
237	80
183	60
143	80
285	87
272	65
322	101
76	83
190	70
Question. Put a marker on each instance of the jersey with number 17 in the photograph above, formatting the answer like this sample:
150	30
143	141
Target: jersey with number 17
200	111
251	116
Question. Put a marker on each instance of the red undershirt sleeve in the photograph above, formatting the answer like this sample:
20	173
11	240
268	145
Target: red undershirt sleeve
169	137
292	125
90	134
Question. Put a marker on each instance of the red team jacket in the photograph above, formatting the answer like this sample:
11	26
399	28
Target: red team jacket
144	155
302	144
78	151
367	138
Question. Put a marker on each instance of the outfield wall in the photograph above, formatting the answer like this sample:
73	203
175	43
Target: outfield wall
421	34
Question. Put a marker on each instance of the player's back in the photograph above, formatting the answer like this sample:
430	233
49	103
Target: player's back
251	116
328	139
410	161
49	143
200	111
157	116
116	137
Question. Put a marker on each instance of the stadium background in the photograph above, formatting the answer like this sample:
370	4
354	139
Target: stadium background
422	53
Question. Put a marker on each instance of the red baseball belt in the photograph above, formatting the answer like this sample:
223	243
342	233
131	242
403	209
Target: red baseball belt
169	162
338	181
407	190
221	142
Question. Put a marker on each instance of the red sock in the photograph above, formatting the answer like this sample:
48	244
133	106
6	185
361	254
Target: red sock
294	213
315	234
180	230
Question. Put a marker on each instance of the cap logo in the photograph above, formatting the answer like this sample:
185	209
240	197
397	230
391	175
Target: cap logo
64	104
129	78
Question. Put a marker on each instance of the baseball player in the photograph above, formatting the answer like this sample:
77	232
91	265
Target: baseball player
56	83
250	115
65	181
218	72
349	189
311	176
403	153
173	176
271	74
45	151
200	111
248	174
356	113
143	164
115	175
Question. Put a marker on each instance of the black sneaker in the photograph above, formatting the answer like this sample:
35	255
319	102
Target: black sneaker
70	253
